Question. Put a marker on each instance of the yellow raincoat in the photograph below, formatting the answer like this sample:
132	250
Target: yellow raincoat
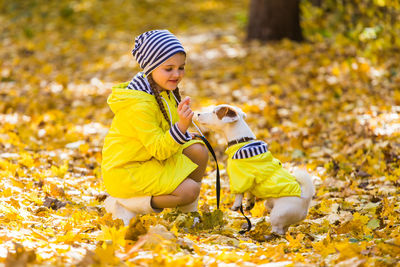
140	157
262	175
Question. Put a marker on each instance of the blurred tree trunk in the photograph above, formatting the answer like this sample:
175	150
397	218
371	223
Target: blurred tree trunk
316	2
274	20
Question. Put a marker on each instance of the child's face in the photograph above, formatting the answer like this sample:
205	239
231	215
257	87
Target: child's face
169	74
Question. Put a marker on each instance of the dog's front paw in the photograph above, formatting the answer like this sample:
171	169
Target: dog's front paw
271	237
235	208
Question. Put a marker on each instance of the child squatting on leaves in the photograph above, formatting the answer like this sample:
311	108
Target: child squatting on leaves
150	161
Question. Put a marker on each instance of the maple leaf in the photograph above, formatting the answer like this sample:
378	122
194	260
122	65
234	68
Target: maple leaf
21	257
105	254
112	236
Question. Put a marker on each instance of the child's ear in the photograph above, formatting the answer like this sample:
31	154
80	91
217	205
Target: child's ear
227	114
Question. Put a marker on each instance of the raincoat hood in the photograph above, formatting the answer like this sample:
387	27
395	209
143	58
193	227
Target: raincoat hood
122	97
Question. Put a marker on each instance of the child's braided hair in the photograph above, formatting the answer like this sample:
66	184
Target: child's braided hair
156	90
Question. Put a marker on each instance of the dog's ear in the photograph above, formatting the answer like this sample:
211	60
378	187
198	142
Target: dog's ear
227	114
241	112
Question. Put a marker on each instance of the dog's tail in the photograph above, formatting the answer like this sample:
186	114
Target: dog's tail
307	186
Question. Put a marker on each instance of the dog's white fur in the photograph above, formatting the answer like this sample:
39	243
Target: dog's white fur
284	211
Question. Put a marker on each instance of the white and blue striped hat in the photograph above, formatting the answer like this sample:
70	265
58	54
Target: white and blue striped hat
152	48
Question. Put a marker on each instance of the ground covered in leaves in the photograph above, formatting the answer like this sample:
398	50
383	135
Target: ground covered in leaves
330	104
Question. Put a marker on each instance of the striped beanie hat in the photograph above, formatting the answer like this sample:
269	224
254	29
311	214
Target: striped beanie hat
152	48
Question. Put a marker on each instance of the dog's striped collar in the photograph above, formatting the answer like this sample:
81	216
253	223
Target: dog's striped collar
241	140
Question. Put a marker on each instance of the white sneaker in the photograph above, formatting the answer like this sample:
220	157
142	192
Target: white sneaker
117	210
191	207
127	208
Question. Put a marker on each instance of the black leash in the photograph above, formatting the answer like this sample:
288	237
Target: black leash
247	219
217	181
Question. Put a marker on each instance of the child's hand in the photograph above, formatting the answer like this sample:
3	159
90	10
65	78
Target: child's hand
185	114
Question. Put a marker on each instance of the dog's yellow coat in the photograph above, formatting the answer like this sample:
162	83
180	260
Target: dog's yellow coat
262	175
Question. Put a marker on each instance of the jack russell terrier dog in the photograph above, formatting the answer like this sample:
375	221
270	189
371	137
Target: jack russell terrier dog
252	168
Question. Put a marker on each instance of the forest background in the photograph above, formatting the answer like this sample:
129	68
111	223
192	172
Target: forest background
330	104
